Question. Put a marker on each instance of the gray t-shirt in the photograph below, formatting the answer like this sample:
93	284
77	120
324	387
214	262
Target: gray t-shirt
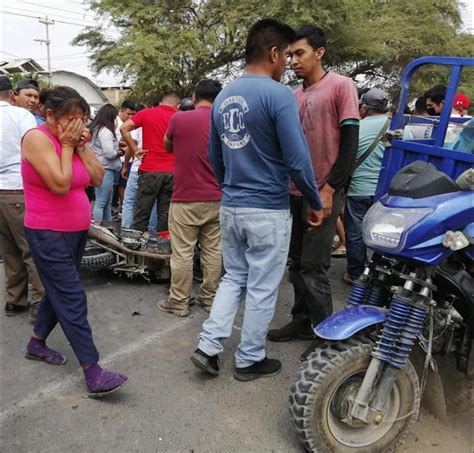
106	147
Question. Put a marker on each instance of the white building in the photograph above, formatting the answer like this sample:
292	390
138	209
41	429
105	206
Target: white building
84	86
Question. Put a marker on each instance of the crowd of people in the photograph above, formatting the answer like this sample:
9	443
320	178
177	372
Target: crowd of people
257	174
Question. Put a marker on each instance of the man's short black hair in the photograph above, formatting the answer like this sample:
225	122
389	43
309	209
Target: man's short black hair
207	90
437	94
314	35
420	104
264	35
127	104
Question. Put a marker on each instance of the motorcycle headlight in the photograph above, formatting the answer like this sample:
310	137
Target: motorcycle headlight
384	227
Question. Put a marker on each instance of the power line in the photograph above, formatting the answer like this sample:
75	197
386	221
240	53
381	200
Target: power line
90	24
84	56
84	24
56	9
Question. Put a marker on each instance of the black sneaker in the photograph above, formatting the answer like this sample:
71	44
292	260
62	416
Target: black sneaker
263	369
12	309
292	331
207	363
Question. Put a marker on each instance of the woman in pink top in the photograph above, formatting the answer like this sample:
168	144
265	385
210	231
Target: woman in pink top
56	167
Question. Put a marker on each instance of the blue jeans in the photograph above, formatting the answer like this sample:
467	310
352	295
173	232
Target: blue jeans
103	198
356	208
57	256
255	245
129	201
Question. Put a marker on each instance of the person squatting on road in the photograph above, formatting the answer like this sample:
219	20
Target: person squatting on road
105	145
256	144
17	261
157	167
194	210
329	113
57	165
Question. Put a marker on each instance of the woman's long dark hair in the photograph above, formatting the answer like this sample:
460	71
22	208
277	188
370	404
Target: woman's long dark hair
105	118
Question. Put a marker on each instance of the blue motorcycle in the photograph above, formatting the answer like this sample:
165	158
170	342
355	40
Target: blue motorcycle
359	390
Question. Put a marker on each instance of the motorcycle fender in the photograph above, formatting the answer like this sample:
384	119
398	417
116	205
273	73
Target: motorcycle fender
349	321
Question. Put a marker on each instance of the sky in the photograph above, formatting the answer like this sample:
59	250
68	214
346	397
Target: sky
19	32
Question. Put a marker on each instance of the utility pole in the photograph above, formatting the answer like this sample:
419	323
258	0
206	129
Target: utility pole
46	41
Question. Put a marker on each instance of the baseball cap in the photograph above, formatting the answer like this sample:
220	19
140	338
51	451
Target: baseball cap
5	83
27	83
374	98
461	101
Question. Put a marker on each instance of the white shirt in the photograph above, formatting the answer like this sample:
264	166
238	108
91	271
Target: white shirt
137	136
14	123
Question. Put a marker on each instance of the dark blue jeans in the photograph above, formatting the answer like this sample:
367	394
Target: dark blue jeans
356	208
57	256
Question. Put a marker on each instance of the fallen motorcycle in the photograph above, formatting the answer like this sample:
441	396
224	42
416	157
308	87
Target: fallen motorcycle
127	252
359	390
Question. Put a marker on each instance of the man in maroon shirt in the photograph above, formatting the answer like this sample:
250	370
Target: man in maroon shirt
157	167
194	211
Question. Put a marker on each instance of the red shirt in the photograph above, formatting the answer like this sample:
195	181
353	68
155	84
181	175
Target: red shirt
194	179
154	122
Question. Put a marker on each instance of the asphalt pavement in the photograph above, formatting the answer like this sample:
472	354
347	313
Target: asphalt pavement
167	405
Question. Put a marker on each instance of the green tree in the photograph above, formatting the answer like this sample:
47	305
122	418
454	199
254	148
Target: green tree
170	45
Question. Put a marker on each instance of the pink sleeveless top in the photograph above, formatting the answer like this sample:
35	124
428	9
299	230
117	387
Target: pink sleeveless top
45	210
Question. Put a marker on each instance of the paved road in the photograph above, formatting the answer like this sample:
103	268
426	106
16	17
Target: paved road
167	406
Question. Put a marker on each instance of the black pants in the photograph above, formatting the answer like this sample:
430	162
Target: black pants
153	186
310	253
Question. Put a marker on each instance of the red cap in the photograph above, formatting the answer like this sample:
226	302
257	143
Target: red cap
461	101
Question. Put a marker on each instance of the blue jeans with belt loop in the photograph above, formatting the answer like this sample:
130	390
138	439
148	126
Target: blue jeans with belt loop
255	245
57	256
103	198
356	208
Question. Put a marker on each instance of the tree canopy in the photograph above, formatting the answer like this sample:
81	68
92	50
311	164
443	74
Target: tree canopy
172	44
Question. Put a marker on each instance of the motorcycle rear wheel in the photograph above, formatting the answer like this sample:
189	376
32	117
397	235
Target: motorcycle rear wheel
334	371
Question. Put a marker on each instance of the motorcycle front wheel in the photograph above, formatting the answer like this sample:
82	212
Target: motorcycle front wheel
325	383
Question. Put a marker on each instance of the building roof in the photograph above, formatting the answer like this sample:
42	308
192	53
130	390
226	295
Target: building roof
20	65
86	88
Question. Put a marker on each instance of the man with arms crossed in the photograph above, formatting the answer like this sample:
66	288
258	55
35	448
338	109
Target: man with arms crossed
256	145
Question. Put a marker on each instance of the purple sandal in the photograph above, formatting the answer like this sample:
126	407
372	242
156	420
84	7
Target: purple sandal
101	382
37	350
